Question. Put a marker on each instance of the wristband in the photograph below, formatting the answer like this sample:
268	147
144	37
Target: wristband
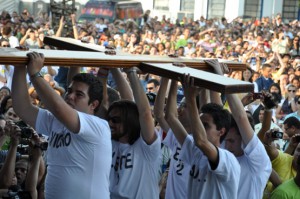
37	74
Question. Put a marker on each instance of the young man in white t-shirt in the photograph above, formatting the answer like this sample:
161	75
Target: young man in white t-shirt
136	146
215	172
177	182
245	145
78	156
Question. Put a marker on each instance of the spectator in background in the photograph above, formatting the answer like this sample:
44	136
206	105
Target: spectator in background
291	188
264	82
152	86
8	34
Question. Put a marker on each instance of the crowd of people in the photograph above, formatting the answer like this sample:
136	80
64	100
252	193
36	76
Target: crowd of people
88	132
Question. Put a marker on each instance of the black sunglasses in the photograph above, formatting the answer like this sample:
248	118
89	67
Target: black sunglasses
115	120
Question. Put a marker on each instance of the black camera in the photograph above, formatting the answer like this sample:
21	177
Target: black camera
277	134
15	192
43	146
26	131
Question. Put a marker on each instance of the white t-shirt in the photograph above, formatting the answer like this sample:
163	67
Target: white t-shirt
135	170
206	183
256	169
78	164
178	172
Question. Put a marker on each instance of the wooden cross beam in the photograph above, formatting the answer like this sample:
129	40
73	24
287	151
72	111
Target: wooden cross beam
160	65
202	78
126	58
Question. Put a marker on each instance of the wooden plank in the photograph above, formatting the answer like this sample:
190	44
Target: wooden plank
202	78
93	59
77	45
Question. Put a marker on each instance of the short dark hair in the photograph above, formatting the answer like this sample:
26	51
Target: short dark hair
129	118
95	89
154	81
264	66
221	117
292	121
6	30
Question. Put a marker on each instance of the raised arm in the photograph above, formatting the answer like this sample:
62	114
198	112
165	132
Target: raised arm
145	115
31	181
20	97
53	102
8	169
159	104
122	84
172	114
75	31
197	128
236	108
269	104
60	27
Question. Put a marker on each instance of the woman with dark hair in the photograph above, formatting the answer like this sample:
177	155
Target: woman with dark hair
275	88
136	146
247	75
294	50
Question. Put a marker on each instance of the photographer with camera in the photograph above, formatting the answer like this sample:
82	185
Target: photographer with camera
7	172
282	163
79	151
35	176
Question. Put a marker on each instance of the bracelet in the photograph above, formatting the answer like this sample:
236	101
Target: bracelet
131	71
37	74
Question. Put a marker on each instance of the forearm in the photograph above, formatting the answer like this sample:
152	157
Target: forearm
122	84
159	104
145	114
22	41
32	177
8	169
20	97
275	179
102	112
290	150
266	124
71	73
240	117
171	114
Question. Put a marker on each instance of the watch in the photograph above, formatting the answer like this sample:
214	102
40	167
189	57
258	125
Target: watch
37	74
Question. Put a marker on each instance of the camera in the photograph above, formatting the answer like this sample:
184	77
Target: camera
15	192
26	131
277	134
257	96
43	146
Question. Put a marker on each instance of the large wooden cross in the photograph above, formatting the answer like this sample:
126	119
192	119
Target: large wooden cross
78	53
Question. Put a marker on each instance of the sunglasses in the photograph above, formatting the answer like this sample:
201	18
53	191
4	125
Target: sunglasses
6	46
115	120
292	91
